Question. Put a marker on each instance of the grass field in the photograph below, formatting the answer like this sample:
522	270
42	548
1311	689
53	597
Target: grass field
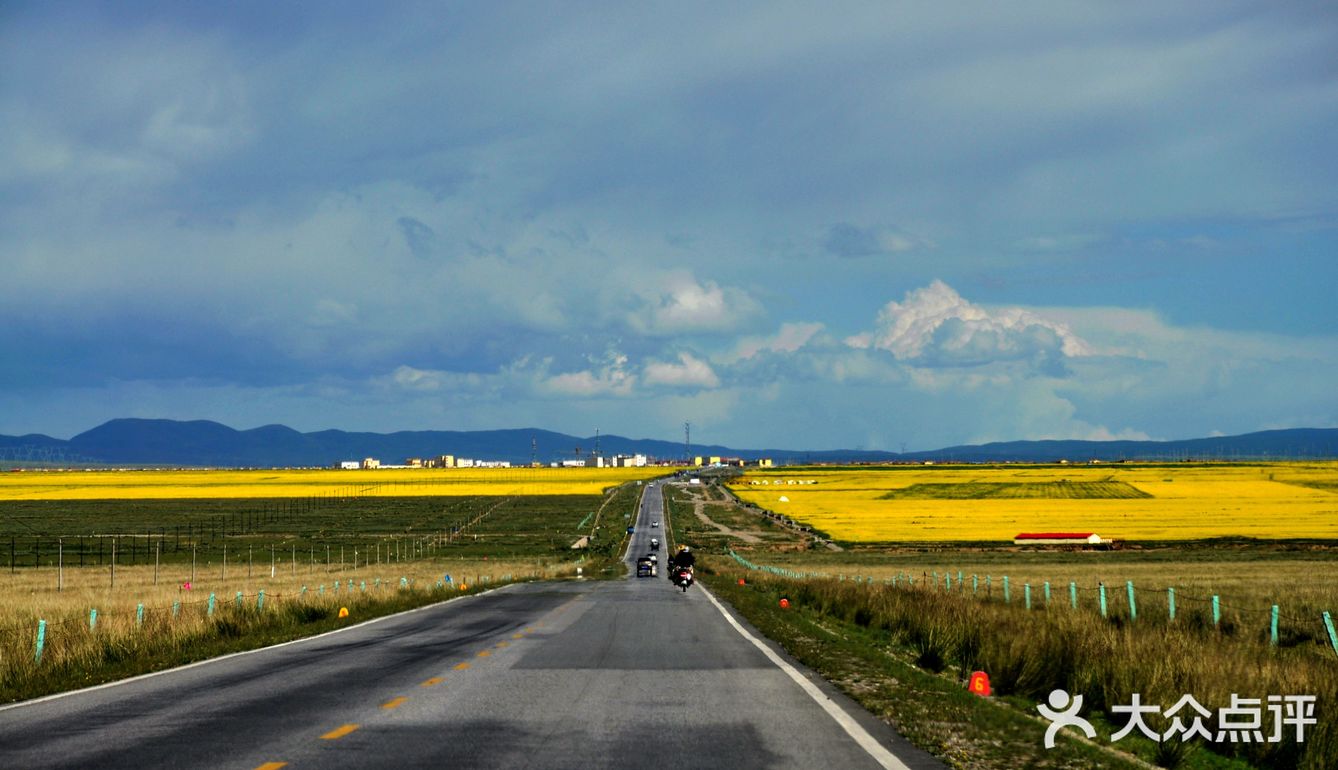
900	626
977	504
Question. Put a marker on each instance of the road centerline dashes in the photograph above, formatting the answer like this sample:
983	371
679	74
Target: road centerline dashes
394	703
339	732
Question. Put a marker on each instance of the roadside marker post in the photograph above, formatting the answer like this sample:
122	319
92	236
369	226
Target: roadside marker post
139	615
1217	611
41	639
1026	594
239	600
176	609
1047	594
1073	595
210	611
1273	627
975	584
1008	595
979	684
260	600
92	619
1102	587
1170	603
1133	607
1333	636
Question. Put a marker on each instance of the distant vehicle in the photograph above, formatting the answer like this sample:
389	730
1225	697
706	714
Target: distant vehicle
683	577
654	544
645	567
655	523
630	530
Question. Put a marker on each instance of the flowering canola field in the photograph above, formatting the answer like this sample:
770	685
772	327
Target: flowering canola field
386	482
995	503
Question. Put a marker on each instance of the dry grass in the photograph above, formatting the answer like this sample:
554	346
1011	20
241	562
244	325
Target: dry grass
31	595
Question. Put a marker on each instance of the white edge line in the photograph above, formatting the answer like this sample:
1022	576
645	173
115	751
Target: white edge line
867	742
207	661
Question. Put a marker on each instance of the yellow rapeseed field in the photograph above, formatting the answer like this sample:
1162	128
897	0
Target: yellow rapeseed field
995	503
388	482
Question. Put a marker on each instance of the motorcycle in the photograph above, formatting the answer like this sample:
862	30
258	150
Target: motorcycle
683	577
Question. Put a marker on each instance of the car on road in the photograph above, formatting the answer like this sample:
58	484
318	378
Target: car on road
645	566
655	523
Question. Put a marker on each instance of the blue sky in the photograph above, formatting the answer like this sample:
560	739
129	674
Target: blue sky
836	225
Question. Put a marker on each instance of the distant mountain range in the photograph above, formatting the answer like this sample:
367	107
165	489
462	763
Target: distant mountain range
204	443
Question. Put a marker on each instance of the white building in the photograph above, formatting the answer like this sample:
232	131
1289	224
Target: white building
371	462
349	465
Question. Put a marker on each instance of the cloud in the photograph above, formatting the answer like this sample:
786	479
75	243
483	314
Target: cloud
610	377
935	327
846	240
417	236
689	372
790	337
686	306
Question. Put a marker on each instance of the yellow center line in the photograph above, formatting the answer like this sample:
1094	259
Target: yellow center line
484	653
433	681
461	666
517	636
394	702
272	766
504	644
339	732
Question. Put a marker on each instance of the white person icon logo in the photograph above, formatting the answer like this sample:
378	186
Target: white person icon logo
1063	712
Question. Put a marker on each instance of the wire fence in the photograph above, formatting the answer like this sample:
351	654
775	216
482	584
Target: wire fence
1123	602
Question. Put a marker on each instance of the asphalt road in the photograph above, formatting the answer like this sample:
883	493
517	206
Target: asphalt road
569	675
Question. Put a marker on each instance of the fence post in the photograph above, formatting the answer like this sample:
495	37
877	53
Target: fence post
1328	625
176	608
1273	627
1047	594
1133	607
260	600
1073	595
239	600
975	583
93	619
959	580
1217	611
210	611
987	585
139	615
1008	595
1102	587
1170	603
1026	594
41	639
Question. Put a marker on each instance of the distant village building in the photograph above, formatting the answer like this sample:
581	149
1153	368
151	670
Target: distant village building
349	465
628	461
464	462
414	462
371	462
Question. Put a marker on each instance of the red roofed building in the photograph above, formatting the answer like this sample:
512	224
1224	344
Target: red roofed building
1059	538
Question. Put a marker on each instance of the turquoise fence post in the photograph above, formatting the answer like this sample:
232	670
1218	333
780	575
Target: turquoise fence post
1026	594
404	582
1273	627
363	586
239	600
1133	607
959	580
378	582
1217	611
139	615
1333	637
975	584
1073	595
1170	603
947	581
935	583
303	591
1047	594
41	639
176	609
1008	595
1103	598
92	619
260	600
210	611
320	590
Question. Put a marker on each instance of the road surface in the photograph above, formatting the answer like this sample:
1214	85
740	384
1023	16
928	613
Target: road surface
568	675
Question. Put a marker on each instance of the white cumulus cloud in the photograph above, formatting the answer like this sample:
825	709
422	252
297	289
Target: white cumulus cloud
689	372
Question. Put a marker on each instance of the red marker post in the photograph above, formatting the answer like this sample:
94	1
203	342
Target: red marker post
784	603
979	684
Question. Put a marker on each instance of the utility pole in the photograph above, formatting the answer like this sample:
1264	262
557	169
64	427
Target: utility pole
534	451
687	441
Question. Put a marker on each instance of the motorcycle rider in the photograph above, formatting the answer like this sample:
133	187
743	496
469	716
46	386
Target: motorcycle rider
684	559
